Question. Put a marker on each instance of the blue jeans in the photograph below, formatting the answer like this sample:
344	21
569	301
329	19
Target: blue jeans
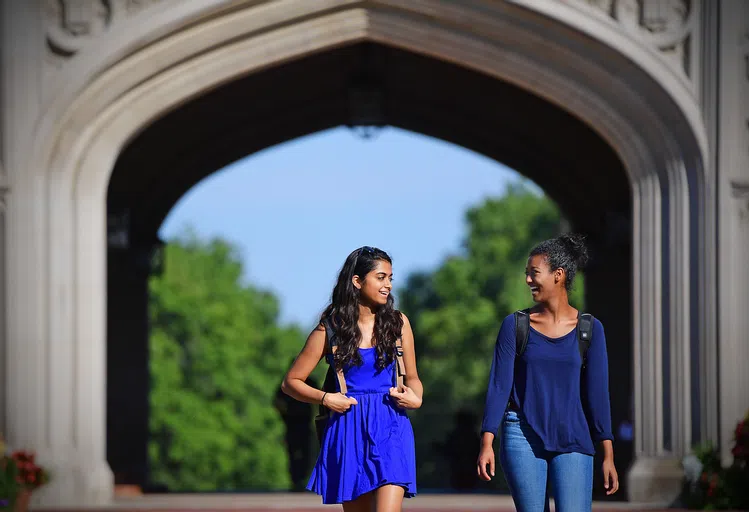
528	467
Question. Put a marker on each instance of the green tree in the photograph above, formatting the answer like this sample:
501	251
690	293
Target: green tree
217	358
456	311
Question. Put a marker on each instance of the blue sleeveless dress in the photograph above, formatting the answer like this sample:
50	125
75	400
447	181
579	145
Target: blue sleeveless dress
370	445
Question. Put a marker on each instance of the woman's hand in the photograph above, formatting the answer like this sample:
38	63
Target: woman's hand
338	402
610	476
486	458
406	399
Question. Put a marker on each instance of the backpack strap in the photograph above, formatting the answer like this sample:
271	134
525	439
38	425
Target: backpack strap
400	367
332	345
584	334
522	328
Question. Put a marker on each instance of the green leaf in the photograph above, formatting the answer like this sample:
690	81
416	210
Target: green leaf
217	358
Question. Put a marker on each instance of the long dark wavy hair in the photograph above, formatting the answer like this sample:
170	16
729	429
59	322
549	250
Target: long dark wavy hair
343	312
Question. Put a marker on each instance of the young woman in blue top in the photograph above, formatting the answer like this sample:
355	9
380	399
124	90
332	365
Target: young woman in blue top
551	410
367	457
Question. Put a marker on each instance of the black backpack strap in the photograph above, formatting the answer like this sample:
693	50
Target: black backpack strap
522	328
584	334
332	345
330	341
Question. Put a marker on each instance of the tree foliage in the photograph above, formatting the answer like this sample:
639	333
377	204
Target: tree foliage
217	357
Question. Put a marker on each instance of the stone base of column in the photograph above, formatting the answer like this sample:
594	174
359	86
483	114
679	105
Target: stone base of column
655	480
75	483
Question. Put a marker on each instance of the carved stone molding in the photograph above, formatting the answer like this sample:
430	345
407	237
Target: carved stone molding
665	25
71	25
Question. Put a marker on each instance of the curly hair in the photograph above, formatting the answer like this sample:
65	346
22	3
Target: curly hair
567	252
343	312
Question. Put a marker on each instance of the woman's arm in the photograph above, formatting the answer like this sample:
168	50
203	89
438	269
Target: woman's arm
501	376
409	359
294	383
596	397
597	404
411	396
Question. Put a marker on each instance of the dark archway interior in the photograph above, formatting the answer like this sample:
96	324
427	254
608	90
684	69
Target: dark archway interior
362	84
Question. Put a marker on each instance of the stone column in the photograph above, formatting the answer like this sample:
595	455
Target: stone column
680	303
662	349
55	375
647	356
26	368
3	304
705	349
733	220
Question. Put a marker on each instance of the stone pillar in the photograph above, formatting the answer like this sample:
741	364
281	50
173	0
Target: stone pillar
705	348
3	304
648	422
661	335
680	303
25	375
56	382
733	220
54	400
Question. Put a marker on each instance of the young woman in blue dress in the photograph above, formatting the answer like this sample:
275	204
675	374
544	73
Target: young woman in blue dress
367	458
549	408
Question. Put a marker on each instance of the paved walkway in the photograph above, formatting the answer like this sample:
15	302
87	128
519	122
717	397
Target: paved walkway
307	502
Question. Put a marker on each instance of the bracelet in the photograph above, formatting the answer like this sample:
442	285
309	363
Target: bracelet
322	400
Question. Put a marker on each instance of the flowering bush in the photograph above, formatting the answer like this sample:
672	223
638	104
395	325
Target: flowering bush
30	475
18	472
710	486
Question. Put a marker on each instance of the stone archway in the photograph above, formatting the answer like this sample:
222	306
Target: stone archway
632	84
342	85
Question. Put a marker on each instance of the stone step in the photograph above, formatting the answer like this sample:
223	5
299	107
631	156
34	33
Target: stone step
307	502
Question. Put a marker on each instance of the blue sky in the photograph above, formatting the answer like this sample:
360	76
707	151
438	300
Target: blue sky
296	210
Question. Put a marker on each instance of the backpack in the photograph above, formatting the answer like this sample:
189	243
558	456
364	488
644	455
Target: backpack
333	375
584	332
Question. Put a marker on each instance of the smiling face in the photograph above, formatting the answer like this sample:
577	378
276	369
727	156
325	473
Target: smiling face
544	282
376	286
